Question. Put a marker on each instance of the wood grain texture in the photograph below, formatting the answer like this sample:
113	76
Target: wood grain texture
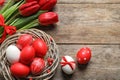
87	23
104	64
88	1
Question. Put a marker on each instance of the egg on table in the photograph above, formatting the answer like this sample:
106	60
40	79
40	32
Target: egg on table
84	55
68	65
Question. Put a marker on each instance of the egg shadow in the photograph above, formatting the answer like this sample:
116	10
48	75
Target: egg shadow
66	76
82	67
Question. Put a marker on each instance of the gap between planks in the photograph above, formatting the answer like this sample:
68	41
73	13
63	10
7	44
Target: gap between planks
88	43
87	3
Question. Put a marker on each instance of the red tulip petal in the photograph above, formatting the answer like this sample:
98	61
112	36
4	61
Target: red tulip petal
2	2
43	2
28	9
49	5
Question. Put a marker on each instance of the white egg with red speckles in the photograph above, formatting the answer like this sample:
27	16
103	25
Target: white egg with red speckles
68	65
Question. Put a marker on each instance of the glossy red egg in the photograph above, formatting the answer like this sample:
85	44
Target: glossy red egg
84	55
37	66
24	40
40	47
19	70
27	55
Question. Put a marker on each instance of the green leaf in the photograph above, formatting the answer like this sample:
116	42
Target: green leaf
11	10
22	21
30	25
7	5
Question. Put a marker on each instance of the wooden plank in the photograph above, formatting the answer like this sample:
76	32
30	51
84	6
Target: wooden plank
88	1
87	23
104	64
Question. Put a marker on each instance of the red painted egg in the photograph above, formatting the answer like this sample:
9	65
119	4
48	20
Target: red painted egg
40	47
19	70
27	55
37	66
84	55
24	40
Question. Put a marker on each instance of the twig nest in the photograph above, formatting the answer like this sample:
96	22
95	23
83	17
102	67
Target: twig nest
19	58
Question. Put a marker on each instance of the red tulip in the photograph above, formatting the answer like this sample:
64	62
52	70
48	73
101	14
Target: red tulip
83	55
47	4
48	18
28	9
2	2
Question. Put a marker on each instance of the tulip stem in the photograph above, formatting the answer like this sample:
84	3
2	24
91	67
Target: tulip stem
7	5
12	18
30	25
11	10
22	21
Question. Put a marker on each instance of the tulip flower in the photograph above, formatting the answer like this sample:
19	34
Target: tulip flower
48	18
47	4
2	2
28	9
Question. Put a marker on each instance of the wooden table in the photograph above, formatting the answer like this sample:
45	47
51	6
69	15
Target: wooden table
89	23
94	24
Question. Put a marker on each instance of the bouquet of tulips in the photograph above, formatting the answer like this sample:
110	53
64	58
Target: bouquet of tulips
25	14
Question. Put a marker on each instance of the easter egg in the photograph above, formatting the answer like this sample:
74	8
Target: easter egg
84	55
19	70
37	66
24	40
40	47
68	65
27	55
12	54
